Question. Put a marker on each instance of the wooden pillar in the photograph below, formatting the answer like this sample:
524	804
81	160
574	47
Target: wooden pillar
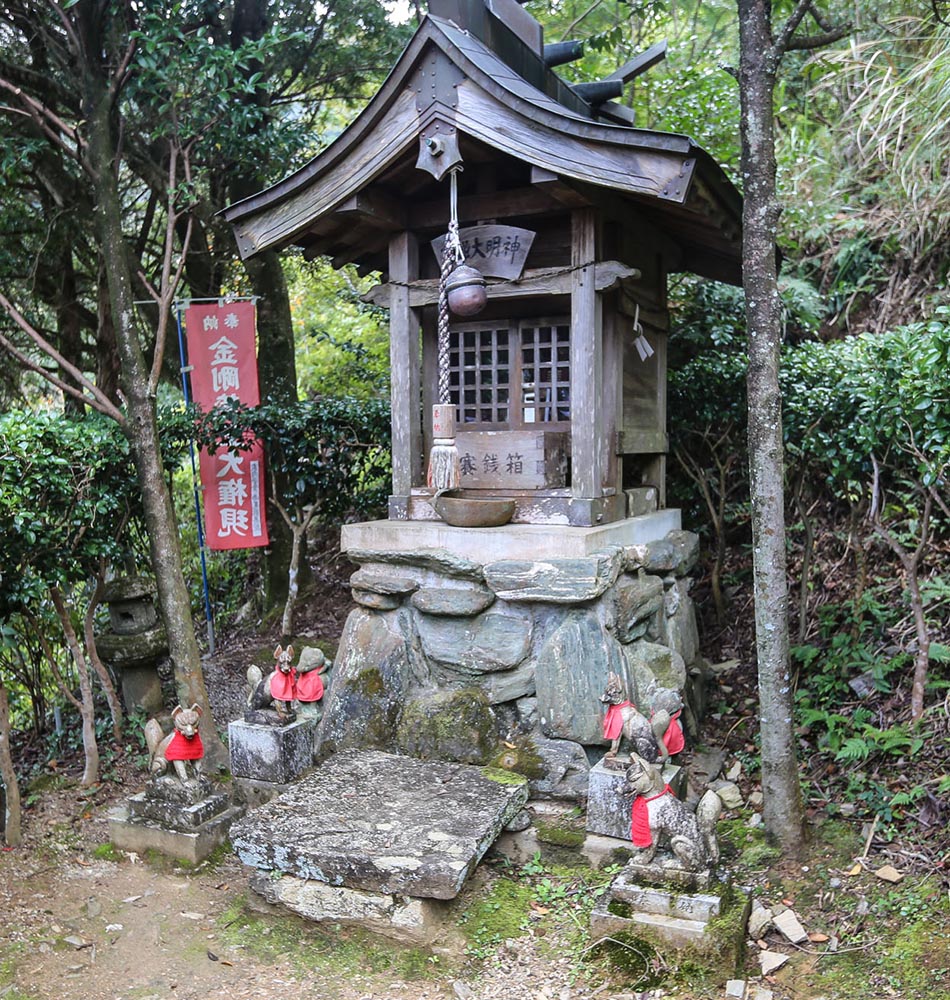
404	364
586	361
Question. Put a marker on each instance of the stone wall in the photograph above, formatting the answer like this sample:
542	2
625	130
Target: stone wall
504	663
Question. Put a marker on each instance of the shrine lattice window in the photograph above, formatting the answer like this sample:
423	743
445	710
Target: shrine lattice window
509	375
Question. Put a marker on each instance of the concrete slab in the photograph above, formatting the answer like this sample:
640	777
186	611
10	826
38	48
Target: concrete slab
382	822
661	928
511	541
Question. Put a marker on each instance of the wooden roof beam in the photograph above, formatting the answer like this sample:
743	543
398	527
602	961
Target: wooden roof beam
551	184
374	209
496	205
538	281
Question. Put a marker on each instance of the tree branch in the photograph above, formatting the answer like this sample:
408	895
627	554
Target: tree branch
780	45
97	399
807	42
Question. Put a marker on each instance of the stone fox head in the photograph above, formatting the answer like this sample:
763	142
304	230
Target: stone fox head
284	658
187	720
614	693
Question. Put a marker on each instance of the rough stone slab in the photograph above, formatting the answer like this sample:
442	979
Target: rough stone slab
771	961
570	676
652	665
437	560
405	542
382	583
376	602
402	918
676	552
507	685
271	753
736	989
637	601
453	601
382	822
566	770
191	846
680	631
655	899
492	641
555	581
609	807
371	678
175	816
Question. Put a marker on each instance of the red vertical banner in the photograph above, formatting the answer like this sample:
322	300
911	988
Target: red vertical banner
223	360
222	353
233	484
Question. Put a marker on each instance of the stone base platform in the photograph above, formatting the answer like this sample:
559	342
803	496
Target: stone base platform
512	541
641	902
383	823
275	754
609	808
131	833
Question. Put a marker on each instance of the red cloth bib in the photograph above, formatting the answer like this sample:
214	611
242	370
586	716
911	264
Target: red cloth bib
282	685
182	748
673	737
640	819
613	720
309	686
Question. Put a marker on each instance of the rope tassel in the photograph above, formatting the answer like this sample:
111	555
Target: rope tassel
444	469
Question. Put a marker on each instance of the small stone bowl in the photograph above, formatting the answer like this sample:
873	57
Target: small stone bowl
464	512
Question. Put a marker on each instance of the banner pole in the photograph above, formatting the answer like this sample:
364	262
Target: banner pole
194	486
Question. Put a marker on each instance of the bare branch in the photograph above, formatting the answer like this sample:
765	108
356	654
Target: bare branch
807	42
96	398
790	27
47	121
122	72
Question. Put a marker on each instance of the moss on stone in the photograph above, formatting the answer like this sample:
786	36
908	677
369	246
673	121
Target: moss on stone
369	683
502	777
523	758
563	834
448	725
496	915
632	957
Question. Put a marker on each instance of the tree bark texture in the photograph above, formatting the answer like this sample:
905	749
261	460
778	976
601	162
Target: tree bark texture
782	807
11	819
87	706
142	429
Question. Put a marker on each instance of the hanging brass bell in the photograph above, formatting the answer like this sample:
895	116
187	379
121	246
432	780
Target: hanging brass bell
466	291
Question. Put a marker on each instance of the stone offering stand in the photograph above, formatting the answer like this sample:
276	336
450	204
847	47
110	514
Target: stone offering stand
465	637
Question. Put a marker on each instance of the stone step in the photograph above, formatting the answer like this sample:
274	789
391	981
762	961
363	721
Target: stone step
676	931
174	815
652	899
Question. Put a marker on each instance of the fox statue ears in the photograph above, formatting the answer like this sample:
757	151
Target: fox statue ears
196	708
279	652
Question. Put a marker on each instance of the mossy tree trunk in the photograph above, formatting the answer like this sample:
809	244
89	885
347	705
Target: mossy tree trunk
761	53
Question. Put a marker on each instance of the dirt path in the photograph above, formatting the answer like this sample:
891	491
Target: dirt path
80	930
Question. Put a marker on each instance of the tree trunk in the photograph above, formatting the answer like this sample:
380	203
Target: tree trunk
11	818
142	430
782	806
87	707
92	653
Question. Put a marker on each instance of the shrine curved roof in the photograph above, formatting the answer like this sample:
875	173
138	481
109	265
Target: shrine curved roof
447	78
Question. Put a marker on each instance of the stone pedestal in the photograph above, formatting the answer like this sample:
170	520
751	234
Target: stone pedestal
183	821
608	807
519	625
642	902
277	754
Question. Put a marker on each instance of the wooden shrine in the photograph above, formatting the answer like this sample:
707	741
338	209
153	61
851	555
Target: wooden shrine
574	216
